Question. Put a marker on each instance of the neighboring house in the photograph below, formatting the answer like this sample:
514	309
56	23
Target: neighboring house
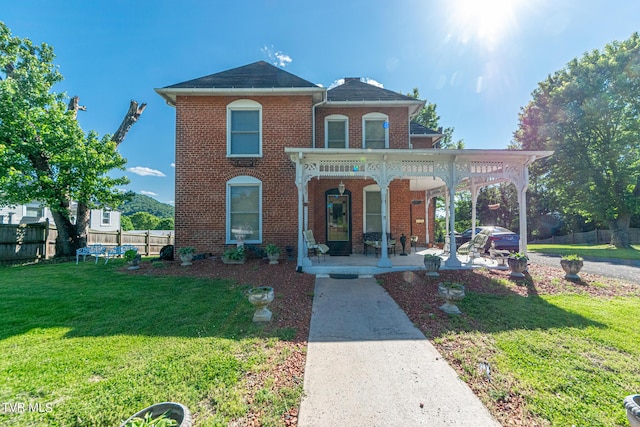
262	155
100	219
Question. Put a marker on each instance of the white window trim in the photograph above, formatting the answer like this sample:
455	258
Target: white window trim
242	180
365	190
375	116
37	206
336	118
247	105
102	217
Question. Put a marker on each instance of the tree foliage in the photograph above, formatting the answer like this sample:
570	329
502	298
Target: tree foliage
428	117
143	203
589	114
44	154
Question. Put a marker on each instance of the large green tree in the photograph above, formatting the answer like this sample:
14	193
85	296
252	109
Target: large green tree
44	154
428	117
589	114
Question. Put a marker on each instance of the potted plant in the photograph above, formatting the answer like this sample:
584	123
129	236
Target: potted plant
432	264
571	264
186	255
160	414
450	291
632	405
273	253
133	258
234	256
517	262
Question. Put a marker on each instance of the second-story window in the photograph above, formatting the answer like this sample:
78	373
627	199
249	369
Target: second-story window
375	130
106	217
244	129
336	130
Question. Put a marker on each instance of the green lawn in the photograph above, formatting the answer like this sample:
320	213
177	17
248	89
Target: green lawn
90	346
600	251
571	357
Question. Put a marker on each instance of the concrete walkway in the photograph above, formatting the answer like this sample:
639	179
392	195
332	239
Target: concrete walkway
367	365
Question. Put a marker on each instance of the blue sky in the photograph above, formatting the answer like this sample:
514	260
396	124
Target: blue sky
477	60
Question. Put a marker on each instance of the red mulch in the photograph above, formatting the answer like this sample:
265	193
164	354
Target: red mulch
294	298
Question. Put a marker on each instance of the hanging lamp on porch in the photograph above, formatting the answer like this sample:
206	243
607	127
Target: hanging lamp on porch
341	188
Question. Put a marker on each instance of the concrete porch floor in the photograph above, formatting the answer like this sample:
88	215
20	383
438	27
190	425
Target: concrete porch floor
368	265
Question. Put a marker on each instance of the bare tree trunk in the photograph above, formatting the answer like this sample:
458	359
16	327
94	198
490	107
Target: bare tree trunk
67	240
620	232
82	222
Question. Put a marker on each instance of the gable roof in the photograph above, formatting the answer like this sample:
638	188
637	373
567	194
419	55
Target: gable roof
252	79
354	92
257	75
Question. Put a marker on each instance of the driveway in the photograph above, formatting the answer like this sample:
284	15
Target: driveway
623	269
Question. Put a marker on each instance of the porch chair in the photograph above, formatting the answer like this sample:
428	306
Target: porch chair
318	248
474	246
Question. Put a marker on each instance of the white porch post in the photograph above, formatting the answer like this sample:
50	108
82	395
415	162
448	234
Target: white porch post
452	261
474	208
303	255
427	203
384	189
522	186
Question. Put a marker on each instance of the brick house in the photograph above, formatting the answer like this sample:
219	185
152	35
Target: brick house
262	154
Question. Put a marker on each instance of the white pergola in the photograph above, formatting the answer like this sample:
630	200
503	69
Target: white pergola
434	171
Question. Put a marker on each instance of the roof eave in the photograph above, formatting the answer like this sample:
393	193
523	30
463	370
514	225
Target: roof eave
170	94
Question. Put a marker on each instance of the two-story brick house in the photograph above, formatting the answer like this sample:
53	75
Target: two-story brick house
262	155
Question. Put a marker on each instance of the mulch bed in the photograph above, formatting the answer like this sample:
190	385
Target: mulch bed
294	298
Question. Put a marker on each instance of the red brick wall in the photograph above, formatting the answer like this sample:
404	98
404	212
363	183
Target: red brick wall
399	204
202	168
398	124
202	171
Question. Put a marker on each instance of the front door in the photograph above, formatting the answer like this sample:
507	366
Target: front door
338	222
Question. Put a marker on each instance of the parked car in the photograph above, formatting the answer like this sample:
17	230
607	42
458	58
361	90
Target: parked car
504	239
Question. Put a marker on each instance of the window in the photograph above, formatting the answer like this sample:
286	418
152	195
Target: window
244	210
375	127
244	129
336	130
372	209
106	217
34	211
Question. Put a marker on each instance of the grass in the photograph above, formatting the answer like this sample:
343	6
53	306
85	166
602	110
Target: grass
90	346
599	251
572	358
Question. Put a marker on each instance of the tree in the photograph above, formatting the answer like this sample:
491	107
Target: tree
144	221
44	154
589	114
125	223
165	224
428	117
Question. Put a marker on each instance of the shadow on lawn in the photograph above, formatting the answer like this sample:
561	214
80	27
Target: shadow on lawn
98	300
491	304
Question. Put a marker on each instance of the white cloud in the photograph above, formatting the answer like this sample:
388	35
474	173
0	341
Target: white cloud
144	171
373	82
336	83
148	193
173	165
276	57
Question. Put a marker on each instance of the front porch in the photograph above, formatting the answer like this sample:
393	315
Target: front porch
368	265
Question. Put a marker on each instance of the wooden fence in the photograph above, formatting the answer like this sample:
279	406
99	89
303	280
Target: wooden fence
32	242
590	237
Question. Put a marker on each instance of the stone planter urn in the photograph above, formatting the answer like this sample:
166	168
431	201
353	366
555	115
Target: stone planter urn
571	267
450	292
632	405
517	265
261	297
134	264
186	259
175	411
273	258
432	265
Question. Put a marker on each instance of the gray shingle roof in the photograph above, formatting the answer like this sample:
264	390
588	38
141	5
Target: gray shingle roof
418	129
355	90
259	75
